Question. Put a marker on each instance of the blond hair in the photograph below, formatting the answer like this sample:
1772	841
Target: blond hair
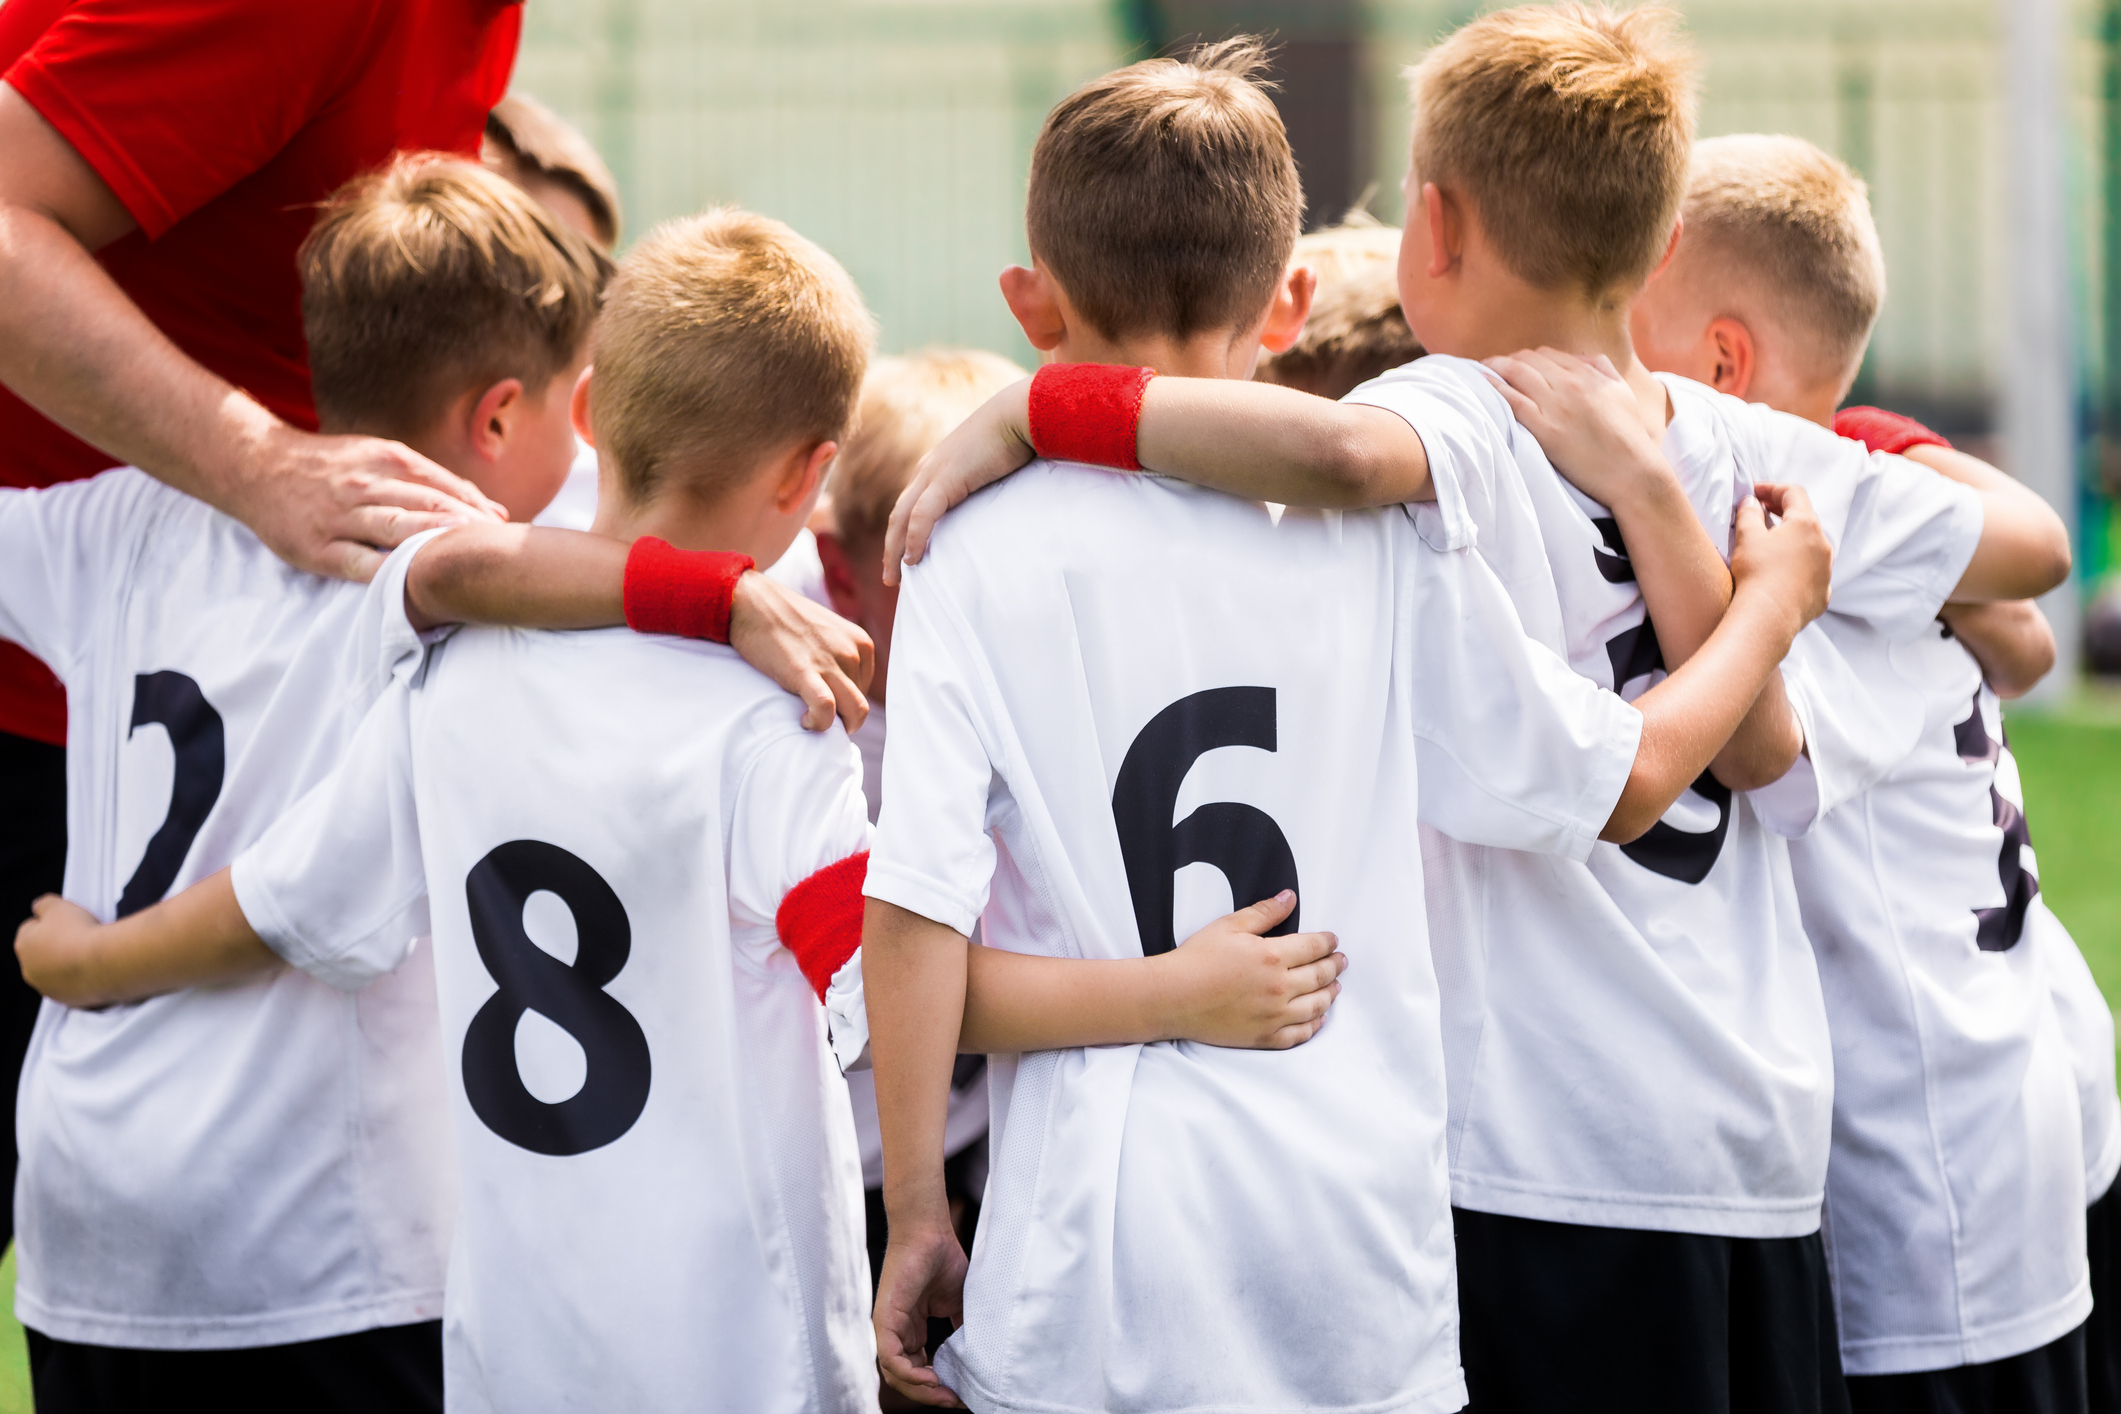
431	276
724	336
1356	329
1567	128
1164	197
909	403
1793	226
525	139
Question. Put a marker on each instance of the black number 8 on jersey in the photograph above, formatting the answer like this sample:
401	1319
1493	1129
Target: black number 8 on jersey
1241	840
615	1090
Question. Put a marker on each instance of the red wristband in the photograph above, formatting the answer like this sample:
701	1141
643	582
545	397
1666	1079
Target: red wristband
1088	412
820	920
1884	431
686	592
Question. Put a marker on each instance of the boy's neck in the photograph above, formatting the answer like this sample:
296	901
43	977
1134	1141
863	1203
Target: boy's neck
1513	316
1220	353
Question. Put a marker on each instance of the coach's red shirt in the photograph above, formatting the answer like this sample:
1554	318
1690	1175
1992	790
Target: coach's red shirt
220	124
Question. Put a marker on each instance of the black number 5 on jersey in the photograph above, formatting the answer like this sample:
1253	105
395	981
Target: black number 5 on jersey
1240	840
173	701
615	1090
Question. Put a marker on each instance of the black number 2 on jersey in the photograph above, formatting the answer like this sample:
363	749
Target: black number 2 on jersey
572	996
173	701
1241	840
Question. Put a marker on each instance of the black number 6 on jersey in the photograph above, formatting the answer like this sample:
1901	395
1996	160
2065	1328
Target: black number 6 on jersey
1240	840
615	1090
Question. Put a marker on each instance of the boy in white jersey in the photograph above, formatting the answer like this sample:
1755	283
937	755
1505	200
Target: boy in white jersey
1955	1194
661	1194
1638	1055
1101	682
909	403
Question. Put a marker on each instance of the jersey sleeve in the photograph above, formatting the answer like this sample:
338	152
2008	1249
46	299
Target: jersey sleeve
933	854
797	812
1859	716
174	102
1903	535
62	551
1464	428
337	887
1513	748
387	646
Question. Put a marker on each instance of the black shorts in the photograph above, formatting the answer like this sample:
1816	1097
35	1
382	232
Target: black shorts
2102	1333
32	862
393	1370
2049	1380
1557	1317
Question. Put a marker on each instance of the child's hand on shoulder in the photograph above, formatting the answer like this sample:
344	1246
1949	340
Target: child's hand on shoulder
986	447
1585	417
1230	985
56	948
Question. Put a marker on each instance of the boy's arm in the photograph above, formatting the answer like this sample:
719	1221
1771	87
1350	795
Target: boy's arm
199	938
539	577
1256	440
2010	639
2024	549
1585	418
915	972
1228	985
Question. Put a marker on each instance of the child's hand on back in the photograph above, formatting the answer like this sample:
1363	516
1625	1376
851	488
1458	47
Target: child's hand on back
1233	986
986	447
56	949
1586	419
1790	563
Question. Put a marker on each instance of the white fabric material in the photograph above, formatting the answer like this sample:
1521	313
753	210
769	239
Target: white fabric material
575	506
1955	1199
613	821
228	1166
800	569
2088	1029
1628	1048
1179	1226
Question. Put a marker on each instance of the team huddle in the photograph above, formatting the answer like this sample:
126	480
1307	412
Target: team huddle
1481	863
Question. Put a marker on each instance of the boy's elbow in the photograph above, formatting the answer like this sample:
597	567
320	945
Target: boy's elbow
1637	809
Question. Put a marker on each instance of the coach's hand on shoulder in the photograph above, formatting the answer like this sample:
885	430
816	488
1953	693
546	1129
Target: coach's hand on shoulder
806	648
986	447
1231	985
1789	563
1586	419
923	1278
57	948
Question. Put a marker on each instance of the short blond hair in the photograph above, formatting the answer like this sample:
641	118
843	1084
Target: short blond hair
524	138
1164	196
1567	128
724	336
909	403
431	276
1357	329
1792	225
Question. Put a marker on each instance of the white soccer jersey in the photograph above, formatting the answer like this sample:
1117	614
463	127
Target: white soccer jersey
1955	1196
228	1166
1638	1040
1120	705
661	1199
574	507
2088	1028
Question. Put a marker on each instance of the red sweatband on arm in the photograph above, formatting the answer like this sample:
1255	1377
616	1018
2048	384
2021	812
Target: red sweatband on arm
820	920
690	593
1088	412
1884	431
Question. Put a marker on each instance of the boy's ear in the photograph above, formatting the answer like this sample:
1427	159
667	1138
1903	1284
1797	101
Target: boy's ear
491	414
1447	230
1035	300
1291	307
1735	359
578	407
801	481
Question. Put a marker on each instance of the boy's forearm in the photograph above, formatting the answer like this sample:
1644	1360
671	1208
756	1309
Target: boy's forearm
1017	1002
197	938
1690	716
2024	549
2011	640
520	576
914	976
1270	443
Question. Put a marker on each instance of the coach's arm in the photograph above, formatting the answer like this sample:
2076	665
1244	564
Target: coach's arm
74	347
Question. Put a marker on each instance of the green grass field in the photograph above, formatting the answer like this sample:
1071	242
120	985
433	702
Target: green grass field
2071	763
